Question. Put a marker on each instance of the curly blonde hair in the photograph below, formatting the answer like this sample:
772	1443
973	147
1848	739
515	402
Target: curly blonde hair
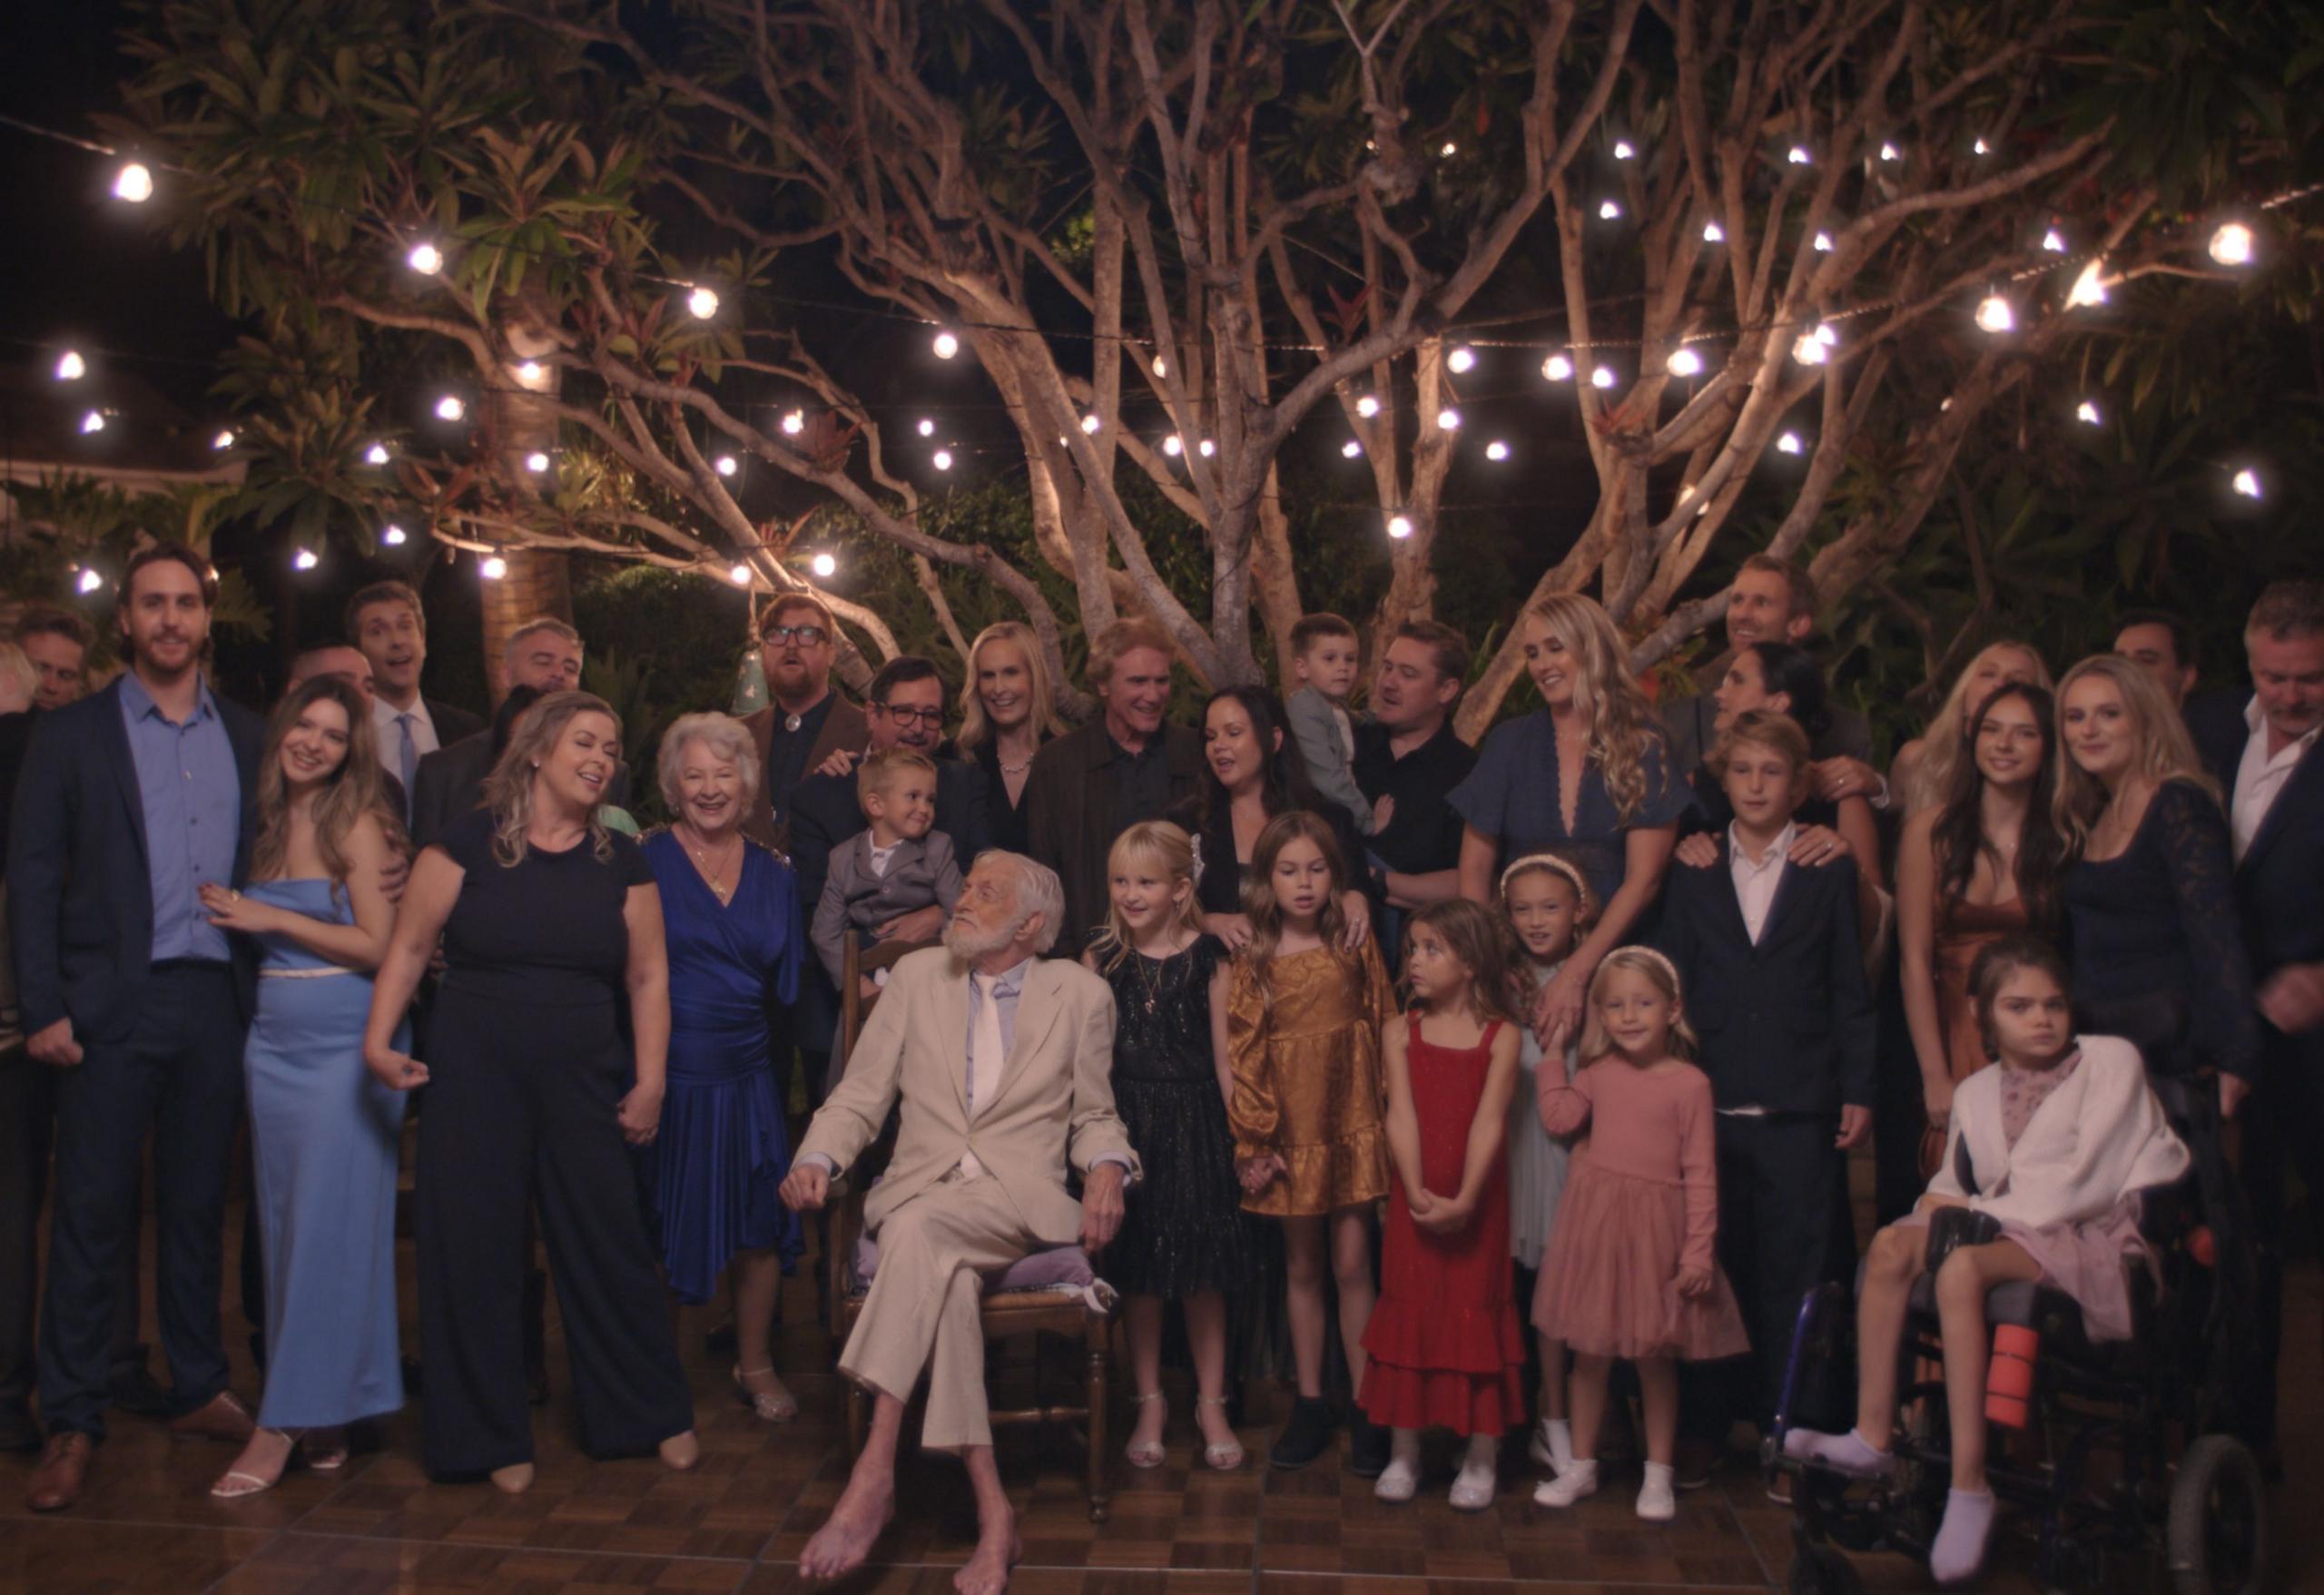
975	726
508	790
1621	721
2165	751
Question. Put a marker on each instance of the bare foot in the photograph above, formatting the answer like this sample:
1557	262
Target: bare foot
997	1553
682	1454
848	1535
513	1480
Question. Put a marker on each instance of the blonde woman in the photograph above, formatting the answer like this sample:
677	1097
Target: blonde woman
1924	770
1008	710
2150	894
1588	777
548	921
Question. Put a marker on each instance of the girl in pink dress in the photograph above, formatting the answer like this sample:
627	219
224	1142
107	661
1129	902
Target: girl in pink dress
1444	1348
1631	1271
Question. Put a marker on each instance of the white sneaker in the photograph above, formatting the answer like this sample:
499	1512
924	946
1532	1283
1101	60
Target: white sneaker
1473	1490
1576	1480
1398	1482
1658	1500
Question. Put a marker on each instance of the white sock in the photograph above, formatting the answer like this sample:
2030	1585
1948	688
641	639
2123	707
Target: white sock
1559	1434
1657	1499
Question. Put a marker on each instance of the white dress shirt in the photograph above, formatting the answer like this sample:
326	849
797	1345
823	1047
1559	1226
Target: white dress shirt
2259	778
881	857
1756	883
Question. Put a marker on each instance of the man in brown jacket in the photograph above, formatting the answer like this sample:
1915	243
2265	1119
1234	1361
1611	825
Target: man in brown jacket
805	721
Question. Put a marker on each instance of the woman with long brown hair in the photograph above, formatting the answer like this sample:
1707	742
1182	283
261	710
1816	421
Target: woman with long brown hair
324	1135
548	923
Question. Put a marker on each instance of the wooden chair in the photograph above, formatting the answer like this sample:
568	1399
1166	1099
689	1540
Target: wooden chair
1047	1316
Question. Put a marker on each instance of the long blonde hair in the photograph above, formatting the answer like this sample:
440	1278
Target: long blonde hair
976	726
2165	751
1171	852
1946	742
1663	976
508	790
1621	721
355	789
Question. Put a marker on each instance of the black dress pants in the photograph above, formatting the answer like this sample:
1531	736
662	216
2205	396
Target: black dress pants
179	1071
521	1106
2283	1129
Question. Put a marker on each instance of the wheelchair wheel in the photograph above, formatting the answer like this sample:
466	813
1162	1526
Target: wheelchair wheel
2218	1530
1821	1569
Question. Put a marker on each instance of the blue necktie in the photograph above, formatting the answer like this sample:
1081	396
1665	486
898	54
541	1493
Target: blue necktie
406	760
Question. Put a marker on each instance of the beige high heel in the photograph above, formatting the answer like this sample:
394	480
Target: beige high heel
767	1406
1152	1454
241	1484
1224	1457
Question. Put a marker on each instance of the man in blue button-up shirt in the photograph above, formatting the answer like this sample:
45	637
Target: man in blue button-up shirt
129	801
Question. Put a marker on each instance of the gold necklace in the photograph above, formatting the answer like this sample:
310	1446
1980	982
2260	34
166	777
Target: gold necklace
713	874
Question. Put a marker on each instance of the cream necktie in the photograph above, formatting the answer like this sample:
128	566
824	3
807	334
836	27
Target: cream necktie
986	1055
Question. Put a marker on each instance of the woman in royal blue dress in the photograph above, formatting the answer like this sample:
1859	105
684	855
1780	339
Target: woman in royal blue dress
324	1132
729	911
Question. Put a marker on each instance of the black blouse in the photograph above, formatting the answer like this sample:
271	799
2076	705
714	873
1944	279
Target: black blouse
1004	821
548	929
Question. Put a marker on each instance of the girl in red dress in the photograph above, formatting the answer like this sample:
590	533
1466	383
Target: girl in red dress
1445	1347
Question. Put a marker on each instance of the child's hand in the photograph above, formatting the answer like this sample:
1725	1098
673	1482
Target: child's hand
1445	1215
1694	1284
1418	1201
1259	1172
866	987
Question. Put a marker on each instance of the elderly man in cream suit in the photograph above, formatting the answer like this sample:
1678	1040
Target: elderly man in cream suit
1002	1061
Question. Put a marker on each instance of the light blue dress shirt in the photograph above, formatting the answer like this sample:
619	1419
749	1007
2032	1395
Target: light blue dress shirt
193	798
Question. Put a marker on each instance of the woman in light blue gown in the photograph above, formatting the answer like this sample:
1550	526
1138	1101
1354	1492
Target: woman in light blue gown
324	1130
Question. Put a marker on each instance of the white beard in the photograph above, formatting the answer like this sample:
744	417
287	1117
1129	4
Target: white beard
968	944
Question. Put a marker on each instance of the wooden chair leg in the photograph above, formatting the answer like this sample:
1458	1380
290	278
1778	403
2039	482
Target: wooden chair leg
1100	1498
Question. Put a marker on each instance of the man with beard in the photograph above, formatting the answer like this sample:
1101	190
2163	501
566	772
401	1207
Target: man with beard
1407	759
130	800
1772	601
385	623
999	1061
804	722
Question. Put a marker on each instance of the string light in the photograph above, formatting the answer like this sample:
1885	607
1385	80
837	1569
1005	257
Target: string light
1448	419
726	465
1172	447
941	459
1685	362
702	303
376	454
393	535
825	566
223	441
93	422
1161	367
1789	443
1091	422
1462	360
1622	151
1602	377
1367	407
926	427
1827	335
133	183
1558	367
1207	448
451	408
1609	210
2055	242
424	259
1996	315
492	567
1810	350
2231	245
2246	482
1351	449
1449	150
793	423
70	367
1400	527
1891	154
537	462
1714	233
946	345
1981	148
90	581
740	576
2090	287
2087	413
1823	243
1497	451
1798	156
305	559
530	372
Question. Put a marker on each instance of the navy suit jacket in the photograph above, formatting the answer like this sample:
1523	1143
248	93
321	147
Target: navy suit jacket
80	890
2279	880
1786	1023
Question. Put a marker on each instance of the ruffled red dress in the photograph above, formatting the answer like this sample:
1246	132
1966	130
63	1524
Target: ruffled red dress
1444	1345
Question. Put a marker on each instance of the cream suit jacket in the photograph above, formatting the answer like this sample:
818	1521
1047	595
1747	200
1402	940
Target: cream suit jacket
1055	1106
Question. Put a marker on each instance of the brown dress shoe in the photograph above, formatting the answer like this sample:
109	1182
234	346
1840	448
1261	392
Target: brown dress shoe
222	1417
64	1468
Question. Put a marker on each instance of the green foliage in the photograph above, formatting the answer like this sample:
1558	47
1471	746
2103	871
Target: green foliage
94	524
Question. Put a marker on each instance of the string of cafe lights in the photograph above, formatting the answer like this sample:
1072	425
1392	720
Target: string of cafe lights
2234	244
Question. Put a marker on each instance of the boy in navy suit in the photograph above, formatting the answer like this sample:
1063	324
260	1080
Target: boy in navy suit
1774	976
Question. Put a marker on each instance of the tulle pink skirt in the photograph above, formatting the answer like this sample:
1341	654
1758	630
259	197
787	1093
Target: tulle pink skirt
1609	1285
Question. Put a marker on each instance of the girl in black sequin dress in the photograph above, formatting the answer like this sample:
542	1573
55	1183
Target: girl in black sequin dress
1185	1236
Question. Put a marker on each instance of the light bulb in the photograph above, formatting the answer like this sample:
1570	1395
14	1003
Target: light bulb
1462	359
1449	150
493	567
1981	148
702	304
740	576
793	423
1789	443
1207	448
1496	450
530	372
1558	367
1161	366
1994	315
537	462
1622	151
1351	449
1798	155
450	408
1367	407
1601	377
1608	210
90	581
392	535
70	367
1810	349
304	560
2090	287
1714	233
1172	447
95	421
824	565
223	441
1823	243
1685	362
946	346
2087	413
376	454
2055	242
2247	483
1448	419
941	459
727	465
2232	244
424	259
926	427
1891	154
1400	527
133	182
1826	334
1092	423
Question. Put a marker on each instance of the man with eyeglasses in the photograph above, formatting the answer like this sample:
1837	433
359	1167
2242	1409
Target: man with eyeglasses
805	722
906	711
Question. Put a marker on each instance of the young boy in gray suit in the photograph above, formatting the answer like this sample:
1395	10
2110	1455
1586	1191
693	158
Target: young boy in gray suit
900	864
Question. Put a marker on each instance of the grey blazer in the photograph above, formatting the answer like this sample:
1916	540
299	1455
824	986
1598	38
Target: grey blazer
920	873
1315	730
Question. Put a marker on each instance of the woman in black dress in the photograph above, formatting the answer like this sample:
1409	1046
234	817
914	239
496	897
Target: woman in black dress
548	921
1185	1236
1008	710
2149	896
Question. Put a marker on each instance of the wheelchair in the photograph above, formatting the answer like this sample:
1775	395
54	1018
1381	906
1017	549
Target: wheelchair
2120	1455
